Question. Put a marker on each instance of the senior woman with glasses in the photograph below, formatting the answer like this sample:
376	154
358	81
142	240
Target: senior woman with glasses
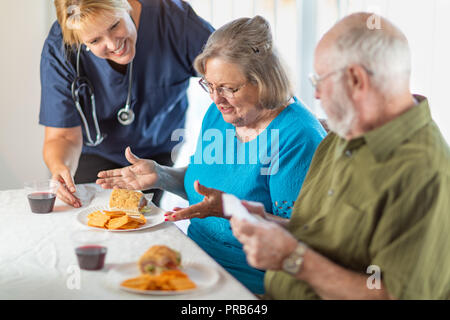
256	142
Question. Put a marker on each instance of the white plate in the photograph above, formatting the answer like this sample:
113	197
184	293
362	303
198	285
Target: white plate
154	217
203	277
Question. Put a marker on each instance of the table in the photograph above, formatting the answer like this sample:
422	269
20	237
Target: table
37	257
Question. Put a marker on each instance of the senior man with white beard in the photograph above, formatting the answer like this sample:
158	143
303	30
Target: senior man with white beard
371	221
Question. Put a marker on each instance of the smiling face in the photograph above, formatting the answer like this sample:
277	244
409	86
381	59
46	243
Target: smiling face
112	36
243	109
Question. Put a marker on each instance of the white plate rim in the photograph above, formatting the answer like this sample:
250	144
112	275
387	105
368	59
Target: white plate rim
213	274
82	218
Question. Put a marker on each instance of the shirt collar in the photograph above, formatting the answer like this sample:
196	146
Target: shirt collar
384	140
347	147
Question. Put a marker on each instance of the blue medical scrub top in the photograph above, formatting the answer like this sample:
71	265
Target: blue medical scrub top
170	36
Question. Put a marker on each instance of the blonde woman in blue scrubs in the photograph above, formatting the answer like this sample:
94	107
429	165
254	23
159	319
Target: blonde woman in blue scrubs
161	38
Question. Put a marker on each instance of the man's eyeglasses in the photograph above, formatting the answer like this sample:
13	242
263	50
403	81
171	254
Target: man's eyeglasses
316	79
225	92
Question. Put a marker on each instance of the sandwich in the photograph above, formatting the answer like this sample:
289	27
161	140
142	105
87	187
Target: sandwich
159	258
129	201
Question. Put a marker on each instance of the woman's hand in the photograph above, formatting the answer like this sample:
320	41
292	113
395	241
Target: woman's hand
141	175
211	206
62	149
67	188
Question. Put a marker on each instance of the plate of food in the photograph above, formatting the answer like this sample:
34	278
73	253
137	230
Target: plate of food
128	210
160	271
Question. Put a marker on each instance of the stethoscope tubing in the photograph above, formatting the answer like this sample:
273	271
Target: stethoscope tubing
75	94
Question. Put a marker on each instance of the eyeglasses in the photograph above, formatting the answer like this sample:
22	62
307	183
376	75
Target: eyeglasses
225	92
315	79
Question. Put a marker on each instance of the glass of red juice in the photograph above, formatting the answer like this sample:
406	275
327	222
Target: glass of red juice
41	195
90	248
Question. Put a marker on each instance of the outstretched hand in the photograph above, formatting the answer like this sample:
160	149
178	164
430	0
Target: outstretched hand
211	206
140	175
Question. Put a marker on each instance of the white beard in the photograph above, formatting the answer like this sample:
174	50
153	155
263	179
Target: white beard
344	114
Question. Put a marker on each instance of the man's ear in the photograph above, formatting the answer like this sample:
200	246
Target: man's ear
358	81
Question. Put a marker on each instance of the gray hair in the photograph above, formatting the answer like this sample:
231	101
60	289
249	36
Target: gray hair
247	42
383	51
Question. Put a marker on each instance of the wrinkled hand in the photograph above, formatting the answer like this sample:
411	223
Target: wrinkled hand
211	206
141	175
255	208
266	244
67	188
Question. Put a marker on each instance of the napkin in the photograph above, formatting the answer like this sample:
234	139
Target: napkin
85	193
233	207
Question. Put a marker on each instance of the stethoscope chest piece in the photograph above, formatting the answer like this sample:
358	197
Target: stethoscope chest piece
125	116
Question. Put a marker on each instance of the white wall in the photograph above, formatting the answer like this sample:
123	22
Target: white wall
24	25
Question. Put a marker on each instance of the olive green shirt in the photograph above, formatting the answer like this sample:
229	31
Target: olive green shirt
382	199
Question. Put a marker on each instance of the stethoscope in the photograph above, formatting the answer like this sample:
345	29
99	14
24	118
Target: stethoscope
125	116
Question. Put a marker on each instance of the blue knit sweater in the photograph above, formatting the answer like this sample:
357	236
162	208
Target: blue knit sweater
269	169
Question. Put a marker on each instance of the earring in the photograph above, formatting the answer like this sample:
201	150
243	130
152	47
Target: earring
87	49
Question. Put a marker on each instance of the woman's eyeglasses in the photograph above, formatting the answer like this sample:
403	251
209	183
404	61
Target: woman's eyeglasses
225	92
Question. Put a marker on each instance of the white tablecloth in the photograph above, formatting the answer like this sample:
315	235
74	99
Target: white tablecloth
37	255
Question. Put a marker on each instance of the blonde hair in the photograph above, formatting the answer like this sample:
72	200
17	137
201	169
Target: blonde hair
247	42
75	15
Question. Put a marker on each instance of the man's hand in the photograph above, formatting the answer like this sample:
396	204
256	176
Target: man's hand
255	208
266	244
